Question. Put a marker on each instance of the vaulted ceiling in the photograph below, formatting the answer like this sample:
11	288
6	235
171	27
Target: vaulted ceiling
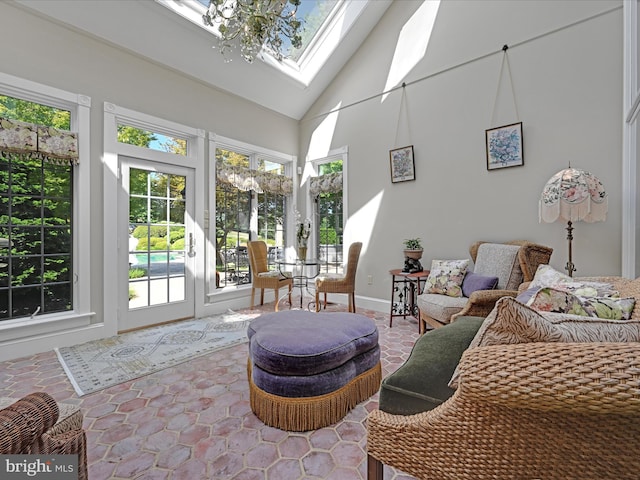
149	29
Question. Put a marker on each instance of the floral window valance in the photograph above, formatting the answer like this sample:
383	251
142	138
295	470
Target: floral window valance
329	183
48	143
245	179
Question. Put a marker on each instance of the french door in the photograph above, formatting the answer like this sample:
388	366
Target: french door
156	240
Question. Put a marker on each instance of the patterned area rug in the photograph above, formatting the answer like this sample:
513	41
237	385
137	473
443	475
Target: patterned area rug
99	364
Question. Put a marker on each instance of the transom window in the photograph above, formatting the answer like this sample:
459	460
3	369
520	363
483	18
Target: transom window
155	141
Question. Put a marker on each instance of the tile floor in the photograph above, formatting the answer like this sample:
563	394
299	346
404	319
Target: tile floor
193	421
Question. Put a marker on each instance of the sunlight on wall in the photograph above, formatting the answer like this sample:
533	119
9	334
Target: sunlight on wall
359	226
412	43
320	142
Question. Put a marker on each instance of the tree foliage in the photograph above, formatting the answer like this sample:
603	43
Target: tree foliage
36	220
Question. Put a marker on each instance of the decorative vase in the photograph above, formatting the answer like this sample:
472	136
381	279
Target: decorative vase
302	253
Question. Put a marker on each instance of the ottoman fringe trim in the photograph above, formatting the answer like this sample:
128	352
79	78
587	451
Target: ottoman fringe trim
299	414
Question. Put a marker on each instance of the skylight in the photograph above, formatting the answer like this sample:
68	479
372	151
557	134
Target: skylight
326	23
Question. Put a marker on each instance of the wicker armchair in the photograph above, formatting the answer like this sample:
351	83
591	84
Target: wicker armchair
521	412
341	284
438	310
262	277
28	426
571	412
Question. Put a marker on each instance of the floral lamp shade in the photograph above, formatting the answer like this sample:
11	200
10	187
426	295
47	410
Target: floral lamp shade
573	195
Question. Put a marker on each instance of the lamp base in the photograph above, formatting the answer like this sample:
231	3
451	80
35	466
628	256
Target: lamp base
570	267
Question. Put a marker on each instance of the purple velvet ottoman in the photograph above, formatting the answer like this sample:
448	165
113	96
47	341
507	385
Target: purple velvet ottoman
307	370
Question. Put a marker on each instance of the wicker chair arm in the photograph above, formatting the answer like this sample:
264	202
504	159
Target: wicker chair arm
481	302
572	377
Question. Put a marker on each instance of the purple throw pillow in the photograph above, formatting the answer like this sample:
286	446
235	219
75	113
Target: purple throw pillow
473	281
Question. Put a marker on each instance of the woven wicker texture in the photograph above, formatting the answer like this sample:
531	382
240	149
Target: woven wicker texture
526	411
346	284
258	261
481	302
26	427
530	411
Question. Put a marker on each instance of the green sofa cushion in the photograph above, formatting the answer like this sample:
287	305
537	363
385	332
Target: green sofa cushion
420	384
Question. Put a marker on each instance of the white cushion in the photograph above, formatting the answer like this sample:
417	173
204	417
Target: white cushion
440	307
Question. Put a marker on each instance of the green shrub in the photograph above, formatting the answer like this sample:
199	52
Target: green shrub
178	244
176	234
141	231
158	231
137	273
328	236
159	244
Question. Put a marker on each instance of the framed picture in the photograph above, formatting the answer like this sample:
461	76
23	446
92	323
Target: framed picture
402	165
504	146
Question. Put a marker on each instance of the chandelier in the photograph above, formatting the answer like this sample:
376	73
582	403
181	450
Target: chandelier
255	24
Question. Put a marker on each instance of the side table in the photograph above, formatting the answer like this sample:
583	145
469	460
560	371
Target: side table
404	288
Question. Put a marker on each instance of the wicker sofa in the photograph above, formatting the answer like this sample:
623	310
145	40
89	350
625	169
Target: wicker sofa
521	411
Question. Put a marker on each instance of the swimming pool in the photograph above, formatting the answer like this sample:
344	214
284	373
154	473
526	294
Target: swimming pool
155	257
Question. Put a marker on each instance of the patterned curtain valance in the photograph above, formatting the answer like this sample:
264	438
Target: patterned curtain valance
48	143
330	183
246	179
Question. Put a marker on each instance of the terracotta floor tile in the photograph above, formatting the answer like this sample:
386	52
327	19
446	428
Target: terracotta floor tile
193	421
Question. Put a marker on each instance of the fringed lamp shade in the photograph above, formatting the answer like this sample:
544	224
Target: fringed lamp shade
573	195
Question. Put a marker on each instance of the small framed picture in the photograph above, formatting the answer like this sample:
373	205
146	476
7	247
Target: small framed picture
402	165
504	146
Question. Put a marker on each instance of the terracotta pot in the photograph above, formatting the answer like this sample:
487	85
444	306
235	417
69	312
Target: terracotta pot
415	254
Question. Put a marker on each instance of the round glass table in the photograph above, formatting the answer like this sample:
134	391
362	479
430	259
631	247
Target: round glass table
303	272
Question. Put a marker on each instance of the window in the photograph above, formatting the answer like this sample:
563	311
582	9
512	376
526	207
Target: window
327	195
253	191
41	204
155	141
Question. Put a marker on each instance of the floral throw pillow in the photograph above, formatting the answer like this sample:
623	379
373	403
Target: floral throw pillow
446	276
559	300
546	276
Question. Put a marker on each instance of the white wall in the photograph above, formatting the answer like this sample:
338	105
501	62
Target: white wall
45	52
567	77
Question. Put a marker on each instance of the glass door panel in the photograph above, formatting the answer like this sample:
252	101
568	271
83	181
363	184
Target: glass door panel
160	283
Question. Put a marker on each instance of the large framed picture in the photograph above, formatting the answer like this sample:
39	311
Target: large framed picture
504	146
402	164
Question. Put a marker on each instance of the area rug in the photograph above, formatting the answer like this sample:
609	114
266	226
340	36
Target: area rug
99	364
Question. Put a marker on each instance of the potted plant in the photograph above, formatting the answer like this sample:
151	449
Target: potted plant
413	248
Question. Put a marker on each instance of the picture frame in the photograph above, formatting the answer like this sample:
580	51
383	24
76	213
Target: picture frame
504	146
402	163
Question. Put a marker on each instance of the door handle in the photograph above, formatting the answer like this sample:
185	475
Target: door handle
192	251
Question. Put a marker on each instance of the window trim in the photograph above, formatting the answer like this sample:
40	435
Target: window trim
253	152
114	115
80	108
341	153
630	154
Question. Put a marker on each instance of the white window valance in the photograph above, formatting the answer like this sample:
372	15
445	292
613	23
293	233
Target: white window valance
246	179
329	183
48	143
